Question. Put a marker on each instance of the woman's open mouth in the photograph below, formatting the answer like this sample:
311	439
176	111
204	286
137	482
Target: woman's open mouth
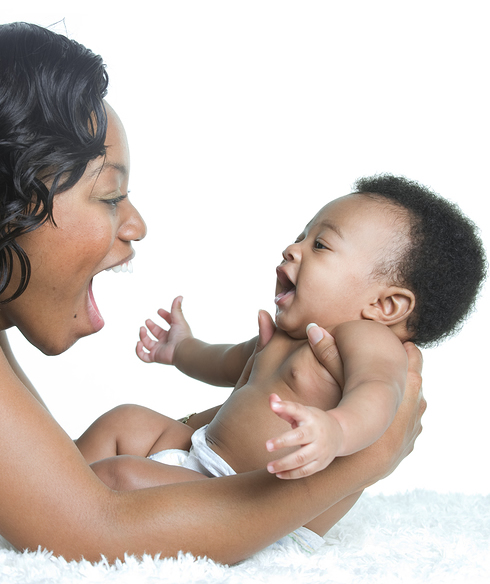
93	310
124	267
95	316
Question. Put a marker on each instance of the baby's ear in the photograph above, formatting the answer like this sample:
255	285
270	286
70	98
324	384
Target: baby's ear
394	305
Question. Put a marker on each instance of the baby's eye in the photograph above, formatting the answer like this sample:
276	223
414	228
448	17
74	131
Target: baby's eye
319	245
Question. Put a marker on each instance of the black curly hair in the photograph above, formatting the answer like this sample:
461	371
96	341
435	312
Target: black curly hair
52	123
444	265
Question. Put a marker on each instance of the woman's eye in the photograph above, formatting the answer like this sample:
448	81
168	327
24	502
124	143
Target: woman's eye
115	201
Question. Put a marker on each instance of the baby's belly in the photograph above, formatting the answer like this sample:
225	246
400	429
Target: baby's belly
245	422
239	431
241	428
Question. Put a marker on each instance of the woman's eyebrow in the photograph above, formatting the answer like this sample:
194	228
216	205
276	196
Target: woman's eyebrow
121	168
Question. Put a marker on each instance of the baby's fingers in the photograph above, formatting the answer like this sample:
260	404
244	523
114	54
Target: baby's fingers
292	412
165	315
155	330
301	463
142	353
299	436
145	339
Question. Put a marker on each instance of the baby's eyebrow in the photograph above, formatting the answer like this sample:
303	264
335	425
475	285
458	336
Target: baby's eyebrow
335	228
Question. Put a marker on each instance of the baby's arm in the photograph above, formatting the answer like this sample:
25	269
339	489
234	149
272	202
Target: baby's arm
375	372
375	368
219	365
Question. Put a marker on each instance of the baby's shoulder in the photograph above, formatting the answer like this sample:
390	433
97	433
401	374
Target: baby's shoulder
365	335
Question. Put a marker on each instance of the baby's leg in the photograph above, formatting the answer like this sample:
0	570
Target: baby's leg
128	473
133	430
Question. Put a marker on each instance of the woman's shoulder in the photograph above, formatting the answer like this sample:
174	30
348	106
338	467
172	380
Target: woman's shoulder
9	366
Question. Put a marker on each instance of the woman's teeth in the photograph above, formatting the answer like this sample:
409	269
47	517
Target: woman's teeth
126	267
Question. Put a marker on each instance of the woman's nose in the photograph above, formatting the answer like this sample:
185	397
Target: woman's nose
133	227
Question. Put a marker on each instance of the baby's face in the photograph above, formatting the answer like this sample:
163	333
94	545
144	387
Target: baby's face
326	276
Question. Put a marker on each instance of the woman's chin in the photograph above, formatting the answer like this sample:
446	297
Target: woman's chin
56	342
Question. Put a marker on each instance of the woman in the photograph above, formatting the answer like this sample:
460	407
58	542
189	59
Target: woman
65	216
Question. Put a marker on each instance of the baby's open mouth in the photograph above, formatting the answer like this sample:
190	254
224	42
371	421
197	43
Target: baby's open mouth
285	287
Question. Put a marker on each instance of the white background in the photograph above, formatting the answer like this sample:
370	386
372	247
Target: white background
244	118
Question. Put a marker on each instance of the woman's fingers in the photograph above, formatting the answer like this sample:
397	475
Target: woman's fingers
323	346
267	329
415	359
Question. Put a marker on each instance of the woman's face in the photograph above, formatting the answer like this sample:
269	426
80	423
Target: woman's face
95	225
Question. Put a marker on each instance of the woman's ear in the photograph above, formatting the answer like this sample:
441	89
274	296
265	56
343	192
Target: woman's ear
394	305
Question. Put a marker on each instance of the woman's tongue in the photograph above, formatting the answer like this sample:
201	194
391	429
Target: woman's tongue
93	311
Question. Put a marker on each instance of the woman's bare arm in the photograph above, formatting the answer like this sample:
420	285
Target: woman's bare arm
50	497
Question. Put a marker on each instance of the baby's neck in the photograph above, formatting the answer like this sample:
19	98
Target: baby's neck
399	329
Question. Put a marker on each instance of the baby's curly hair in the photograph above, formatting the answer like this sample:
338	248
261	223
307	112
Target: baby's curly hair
444	264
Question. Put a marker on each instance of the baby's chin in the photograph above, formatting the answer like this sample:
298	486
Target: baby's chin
295	329
297	334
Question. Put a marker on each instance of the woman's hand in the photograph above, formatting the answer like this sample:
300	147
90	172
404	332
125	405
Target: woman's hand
325	349
267	328
163	349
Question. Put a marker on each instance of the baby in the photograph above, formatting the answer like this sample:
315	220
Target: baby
389	263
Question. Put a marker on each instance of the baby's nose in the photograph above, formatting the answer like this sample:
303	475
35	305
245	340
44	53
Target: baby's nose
292	252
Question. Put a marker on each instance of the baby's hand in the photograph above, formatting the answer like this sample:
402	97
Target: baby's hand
318	434
163	349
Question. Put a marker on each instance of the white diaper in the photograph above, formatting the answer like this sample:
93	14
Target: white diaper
200	457
203	459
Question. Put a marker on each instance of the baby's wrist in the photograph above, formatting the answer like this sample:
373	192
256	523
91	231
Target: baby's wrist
181	351
336	432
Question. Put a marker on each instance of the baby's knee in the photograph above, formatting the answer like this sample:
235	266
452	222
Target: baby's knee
126	418
119	473
125	412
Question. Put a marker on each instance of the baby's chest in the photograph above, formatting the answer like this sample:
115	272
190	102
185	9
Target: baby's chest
311	382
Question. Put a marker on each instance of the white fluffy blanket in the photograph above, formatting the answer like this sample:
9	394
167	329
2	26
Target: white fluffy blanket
419	536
